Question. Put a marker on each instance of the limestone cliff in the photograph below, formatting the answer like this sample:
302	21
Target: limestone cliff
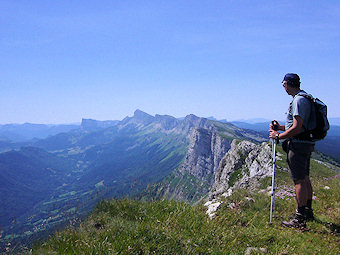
242	167
204	154
195	176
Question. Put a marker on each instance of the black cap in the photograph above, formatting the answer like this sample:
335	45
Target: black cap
293	78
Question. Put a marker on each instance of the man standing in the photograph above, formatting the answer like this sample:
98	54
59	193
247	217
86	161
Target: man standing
300	117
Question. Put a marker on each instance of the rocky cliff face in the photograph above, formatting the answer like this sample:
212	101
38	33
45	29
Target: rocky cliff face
205	152
242	167
195	176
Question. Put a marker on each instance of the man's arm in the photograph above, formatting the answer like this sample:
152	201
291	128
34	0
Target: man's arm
292	131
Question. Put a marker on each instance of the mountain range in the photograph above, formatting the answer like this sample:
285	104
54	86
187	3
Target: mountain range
45	182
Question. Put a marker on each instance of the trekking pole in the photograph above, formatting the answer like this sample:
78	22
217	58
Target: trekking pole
273	181
274	142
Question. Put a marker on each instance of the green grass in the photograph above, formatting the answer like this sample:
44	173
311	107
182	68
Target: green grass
168	227
187	187
234	177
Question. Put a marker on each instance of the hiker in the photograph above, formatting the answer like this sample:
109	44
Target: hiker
298	148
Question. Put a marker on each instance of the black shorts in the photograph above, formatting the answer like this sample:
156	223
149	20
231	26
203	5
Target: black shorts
298	158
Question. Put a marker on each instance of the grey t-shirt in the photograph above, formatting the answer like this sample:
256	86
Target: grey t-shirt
301	106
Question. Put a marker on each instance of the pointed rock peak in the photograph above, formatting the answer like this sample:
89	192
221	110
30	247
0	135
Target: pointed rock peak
140	114
139	117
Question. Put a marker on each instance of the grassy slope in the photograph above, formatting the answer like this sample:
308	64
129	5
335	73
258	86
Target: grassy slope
168	227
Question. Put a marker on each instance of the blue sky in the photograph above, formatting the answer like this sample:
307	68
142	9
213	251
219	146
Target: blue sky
61	61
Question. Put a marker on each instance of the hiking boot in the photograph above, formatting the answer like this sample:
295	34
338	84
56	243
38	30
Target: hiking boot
309	214
297	221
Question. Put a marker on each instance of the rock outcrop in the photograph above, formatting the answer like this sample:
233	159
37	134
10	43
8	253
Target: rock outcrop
242	167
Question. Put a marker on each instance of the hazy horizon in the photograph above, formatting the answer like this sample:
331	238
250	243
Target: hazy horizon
131	114
335	120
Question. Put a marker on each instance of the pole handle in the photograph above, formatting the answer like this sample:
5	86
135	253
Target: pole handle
275	125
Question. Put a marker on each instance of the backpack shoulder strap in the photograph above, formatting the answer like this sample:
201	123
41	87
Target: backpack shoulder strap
305	95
